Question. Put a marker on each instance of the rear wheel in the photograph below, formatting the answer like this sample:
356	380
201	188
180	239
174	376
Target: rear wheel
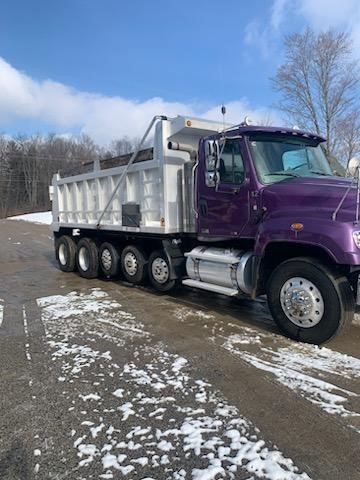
87	258
109	260
159	272
308	301
133	264
65	250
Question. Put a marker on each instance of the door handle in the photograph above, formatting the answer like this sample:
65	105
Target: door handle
203	207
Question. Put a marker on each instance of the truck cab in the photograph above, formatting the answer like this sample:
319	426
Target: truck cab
272	190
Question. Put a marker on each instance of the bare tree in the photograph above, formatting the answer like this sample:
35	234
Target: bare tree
27	165
348	130
318	83
125	145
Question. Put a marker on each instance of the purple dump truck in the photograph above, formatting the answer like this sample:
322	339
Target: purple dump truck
241	211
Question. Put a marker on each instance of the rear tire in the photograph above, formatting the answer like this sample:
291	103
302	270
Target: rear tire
159	272
308	301
109	260
65	251
87	258
133	264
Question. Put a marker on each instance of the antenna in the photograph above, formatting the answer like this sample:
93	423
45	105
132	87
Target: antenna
223	112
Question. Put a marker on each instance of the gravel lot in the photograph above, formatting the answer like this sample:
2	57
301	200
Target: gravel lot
102	380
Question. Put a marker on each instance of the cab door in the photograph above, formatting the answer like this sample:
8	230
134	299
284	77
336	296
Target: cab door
223	209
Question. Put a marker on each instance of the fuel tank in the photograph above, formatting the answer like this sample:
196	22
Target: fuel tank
224	267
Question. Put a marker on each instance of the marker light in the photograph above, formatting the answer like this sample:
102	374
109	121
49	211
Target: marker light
297	226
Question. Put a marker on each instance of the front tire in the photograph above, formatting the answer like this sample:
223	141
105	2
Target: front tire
308	301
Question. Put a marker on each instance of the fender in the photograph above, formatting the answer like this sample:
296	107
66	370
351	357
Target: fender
334	238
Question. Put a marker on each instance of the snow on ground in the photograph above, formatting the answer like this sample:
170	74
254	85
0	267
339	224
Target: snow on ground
313	371
39	217
1	311
138	412
94	311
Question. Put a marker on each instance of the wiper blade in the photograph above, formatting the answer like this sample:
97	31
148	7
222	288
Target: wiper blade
287	174
320	173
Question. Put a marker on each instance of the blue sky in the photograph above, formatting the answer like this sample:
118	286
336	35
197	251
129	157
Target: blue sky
105	67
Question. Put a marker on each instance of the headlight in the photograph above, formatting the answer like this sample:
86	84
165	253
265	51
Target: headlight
356	237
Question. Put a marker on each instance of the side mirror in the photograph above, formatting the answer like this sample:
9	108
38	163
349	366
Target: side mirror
354	166
211	148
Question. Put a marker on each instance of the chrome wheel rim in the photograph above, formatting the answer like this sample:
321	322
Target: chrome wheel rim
130	264
84	259
302	302
106	259
160	270
62	254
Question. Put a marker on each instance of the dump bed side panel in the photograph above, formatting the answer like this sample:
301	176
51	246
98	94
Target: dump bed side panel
80	200
156	195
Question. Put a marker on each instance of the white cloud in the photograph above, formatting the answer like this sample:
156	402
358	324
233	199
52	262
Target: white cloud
278	12
103	118
263	35
319	14
324	14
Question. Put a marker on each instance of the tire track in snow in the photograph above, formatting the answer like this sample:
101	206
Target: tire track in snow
313	372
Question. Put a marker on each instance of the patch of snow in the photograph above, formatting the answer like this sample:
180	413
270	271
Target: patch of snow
143	461
94	311
243	339
119	392
184	313
299	367
90	396
44	218
127	410
179	364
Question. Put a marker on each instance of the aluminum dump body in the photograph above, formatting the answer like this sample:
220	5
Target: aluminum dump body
156	195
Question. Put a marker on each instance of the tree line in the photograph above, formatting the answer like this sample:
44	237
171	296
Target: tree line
317	84
28	163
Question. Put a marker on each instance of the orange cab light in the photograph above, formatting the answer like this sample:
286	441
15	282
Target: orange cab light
297	226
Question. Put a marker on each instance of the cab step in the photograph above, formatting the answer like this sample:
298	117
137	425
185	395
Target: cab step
230	292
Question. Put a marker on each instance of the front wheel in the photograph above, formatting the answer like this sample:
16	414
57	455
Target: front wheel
308	301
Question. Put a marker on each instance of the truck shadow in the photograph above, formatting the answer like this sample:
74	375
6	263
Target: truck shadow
253	313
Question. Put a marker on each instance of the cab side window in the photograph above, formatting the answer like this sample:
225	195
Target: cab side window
231	165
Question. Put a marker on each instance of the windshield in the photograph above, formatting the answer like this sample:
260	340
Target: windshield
283	158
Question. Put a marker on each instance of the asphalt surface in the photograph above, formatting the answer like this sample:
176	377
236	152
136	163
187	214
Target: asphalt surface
104	380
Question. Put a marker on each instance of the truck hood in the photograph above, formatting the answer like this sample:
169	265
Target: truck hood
310	197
